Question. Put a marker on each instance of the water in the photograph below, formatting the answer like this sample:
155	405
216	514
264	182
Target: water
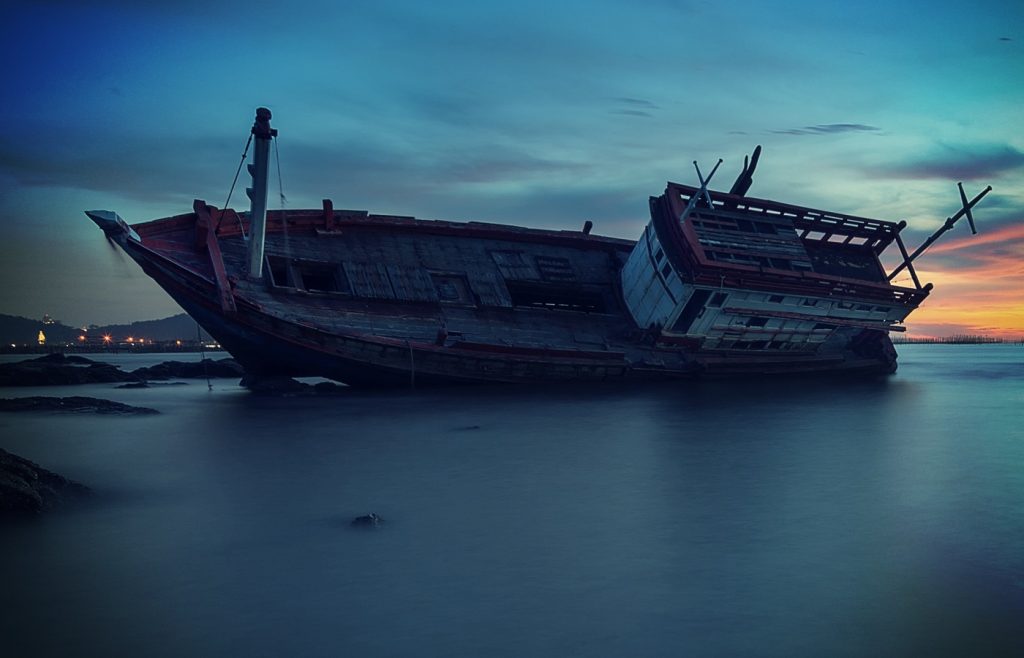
726	518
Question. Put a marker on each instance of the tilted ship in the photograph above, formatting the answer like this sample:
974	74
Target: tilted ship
718	284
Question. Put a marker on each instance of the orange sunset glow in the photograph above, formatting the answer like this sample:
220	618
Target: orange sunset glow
979	286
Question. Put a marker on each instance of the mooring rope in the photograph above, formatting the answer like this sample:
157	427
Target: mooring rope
281	201
202	352
241	162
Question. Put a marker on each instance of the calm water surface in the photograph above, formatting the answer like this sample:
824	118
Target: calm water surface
729	518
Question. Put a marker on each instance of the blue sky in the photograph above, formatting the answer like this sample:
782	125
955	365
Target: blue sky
542	114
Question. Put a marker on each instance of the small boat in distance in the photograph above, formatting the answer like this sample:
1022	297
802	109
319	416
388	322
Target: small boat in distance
718	284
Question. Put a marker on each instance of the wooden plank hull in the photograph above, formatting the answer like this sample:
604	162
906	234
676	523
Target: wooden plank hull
360	340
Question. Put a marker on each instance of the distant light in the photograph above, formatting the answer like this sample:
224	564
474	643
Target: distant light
130	339
81	338
178	343
142	341
106	338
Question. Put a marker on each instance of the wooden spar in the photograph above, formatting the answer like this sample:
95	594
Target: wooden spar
259	171
906	259
746	177
950	221
702	192
206	236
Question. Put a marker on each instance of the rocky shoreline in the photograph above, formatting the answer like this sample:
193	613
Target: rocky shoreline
75	404
28	489
62	370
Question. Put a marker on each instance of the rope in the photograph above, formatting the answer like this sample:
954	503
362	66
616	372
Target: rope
280	184
241	162
282	200
202	352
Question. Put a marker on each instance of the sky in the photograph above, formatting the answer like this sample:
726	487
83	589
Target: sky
542	114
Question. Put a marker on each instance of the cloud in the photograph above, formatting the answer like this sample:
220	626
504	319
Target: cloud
633	113
957	163
827	129
638	102
1005	235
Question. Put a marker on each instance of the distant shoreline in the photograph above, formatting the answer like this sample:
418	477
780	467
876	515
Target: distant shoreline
157	348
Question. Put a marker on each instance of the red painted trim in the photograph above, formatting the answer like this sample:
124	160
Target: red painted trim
206	227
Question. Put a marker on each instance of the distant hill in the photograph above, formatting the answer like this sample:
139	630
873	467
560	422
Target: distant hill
25	331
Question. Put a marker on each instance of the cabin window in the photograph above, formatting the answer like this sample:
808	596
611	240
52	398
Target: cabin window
822	325
694	309
320	277
776	299
555	297
514	265
555	269
665	271
863	307
757	321
718	299
776	344
758	344
279	272
763	227
810	302
452	288
659	255
744	225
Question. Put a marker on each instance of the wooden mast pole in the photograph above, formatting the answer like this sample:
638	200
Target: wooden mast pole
259	170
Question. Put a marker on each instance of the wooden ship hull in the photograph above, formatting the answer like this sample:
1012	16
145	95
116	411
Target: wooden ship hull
719	284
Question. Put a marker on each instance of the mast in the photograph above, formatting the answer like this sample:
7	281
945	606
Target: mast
259	170
908	260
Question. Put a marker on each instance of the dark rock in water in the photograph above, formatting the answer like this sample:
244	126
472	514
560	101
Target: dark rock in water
60	359
57	370
329	388
74	404
273	385
370	520
150	384
190	370
28	489
287	386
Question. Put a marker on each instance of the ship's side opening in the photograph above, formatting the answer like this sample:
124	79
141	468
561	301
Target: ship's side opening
555	297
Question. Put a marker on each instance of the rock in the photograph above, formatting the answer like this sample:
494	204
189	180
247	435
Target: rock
28	489
60	359
191	370
150	384
74	404
370	520
286	386
274	385
57	370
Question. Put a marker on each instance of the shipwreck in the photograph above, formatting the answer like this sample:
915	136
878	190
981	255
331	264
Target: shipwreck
718	284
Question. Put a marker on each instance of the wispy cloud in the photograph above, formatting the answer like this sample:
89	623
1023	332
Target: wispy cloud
637	102
958	163
827	129
633	113
1013	234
